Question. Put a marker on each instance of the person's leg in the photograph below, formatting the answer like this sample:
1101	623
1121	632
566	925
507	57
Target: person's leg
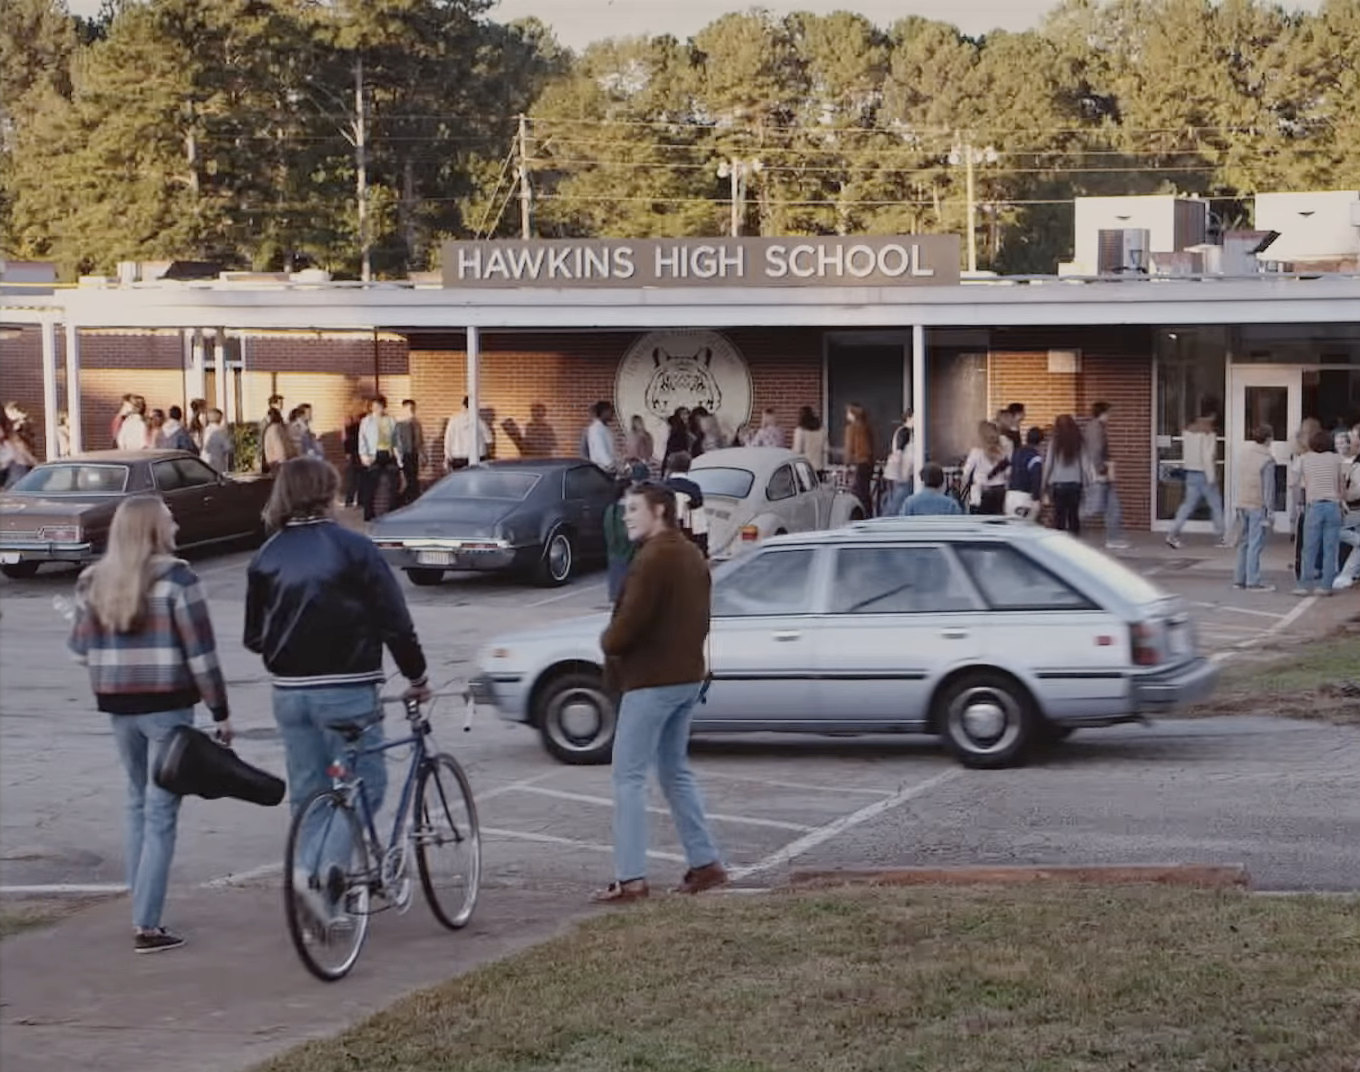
131	743
1312	546
640	722
677	777
1240	569
306	757
353	703
1350	534
1114	515
1298	545
1331	543
1194	491
162	815
1215	500
368	486
1254	536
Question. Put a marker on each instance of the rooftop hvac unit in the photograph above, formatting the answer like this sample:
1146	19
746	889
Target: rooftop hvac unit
1124	252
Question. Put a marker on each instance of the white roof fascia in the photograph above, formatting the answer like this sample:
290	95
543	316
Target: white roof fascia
1327	299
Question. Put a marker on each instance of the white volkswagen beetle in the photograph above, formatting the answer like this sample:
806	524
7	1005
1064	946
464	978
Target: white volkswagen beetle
751	493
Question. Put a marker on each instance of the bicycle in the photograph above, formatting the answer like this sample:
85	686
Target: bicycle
338	873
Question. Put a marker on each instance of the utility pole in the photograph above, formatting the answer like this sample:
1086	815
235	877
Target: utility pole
964	153
526	189
361	168
739	171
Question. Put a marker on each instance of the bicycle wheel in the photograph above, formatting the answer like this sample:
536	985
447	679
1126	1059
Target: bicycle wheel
448	842
326	885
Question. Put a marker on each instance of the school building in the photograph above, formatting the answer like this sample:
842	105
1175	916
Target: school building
535	332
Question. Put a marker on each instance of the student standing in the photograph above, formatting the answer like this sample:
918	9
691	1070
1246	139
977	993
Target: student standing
410	450
459	447
1097	435
859	454
986	471
809	439
1025	487
1321	480
931	501
1067	471
377	439
1255	504
216	442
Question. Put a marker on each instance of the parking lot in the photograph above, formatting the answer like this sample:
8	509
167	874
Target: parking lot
1275	795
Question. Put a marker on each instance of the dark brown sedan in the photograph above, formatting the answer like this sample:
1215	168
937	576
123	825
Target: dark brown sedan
60	512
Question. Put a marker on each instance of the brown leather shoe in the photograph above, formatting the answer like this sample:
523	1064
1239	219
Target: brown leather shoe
698	879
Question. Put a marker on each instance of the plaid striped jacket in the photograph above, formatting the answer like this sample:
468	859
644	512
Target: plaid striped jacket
168	661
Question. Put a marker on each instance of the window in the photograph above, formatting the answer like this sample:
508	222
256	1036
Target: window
482	483
167	476
588	482
898	580
1134	587
193	473
781	485
721	480
769	582
807	479
73	480
1011	580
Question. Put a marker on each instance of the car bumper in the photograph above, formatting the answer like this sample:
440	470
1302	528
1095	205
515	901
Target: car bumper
453	558
11	554
1186	684
506	692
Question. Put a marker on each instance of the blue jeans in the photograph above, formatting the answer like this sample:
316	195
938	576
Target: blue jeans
1321	529
901	491
1114	513
152	813
1197	488
654	729
303	716
1350	533
1255	524
617	570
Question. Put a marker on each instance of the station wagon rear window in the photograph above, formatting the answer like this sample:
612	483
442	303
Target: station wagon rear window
722	480
74	479
1132	586
485	484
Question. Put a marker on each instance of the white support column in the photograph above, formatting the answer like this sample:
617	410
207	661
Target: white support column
73	388
198	376
49	373
918	397
474	365
220	369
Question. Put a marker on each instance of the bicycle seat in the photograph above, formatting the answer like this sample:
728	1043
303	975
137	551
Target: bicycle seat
351	731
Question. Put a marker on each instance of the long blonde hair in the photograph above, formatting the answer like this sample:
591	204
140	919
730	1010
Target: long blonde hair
1303	438
989	440
141	537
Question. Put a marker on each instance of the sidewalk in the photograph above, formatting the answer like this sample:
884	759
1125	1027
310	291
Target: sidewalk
75	996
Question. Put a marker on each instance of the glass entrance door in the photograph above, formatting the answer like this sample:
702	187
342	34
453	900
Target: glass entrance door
1271	396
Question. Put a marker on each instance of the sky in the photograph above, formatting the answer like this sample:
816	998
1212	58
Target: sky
578	22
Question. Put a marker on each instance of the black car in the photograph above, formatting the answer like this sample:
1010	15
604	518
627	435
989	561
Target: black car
535	516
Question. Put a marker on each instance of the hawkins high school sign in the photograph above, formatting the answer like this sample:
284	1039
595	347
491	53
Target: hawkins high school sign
846	261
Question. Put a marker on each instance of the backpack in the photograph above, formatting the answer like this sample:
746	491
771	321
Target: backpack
897	467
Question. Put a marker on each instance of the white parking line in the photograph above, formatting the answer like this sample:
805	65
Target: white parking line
63	889
549	839
1239	610
574	590
606	802
1305	605
835	829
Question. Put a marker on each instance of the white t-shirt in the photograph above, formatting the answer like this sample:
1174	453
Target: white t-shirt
600	445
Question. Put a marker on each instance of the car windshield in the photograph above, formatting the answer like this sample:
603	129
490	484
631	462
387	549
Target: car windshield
74	480
479	483
1132	586
719	480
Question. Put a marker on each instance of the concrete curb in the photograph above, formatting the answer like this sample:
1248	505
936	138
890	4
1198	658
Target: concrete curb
1202	876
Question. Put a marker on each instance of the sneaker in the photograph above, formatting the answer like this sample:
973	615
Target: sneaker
158	941
1238	586
1302	592
1342	583
1256	587
1323	593
1174	542
1117	545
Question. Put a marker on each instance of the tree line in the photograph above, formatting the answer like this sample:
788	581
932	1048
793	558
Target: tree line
357	135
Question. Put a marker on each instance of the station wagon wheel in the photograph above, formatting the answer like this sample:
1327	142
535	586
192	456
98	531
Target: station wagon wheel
559	556
576	718
987	719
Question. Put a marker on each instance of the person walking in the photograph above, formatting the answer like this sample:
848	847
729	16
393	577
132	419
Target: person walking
459	447
198	421
321	605
216	442
654	658
640	445
1066	473
1255	503
1097	436
116	425
1010	423
598	441
276	446
809	439
859	454
377	440
156	439
410	450
275	402
1200	462
931	500
132	430
300	434
141	626
618	546
1025	486
986	471
899	466
1321	479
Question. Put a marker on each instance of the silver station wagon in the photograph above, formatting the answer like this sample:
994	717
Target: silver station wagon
994	634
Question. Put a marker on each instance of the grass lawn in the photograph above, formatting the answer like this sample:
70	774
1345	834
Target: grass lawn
1036	979
16	916
1318	680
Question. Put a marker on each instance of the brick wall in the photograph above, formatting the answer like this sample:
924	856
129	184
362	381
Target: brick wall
21	376
1116	367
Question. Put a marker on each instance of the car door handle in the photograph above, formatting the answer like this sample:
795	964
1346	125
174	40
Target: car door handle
954	634
788	636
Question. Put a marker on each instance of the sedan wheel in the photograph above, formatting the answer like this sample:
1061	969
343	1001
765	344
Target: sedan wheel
559	556
986	719
577	719
19	571
424	578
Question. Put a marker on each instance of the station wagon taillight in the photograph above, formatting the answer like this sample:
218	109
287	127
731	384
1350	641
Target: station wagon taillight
1146	650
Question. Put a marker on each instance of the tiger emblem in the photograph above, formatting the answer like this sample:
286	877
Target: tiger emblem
682	380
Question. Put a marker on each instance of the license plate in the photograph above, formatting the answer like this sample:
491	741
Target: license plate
435	558
9	558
